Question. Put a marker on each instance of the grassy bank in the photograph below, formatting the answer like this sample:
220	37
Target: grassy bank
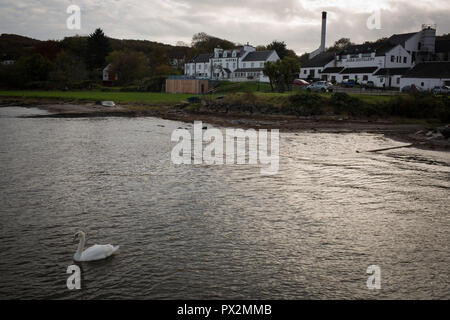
300	104
120	97
303	104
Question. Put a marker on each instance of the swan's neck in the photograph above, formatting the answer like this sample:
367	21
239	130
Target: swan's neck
81	245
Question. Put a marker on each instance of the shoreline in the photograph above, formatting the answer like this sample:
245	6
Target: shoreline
417	134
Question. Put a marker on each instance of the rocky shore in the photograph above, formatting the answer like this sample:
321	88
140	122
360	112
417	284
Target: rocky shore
418	134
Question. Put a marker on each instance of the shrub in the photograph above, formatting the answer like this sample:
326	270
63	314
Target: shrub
419	105
342	103
305	104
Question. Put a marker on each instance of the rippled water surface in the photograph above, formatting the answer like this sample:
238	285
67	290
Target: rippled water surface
217	231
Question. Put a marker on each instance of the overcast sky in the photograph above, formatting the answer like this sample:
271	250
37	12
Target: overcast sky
297	22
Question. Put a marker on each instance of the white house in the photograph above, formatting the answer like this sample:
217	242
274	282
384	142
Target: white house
243	64
360	63
383	62
427	75
108	75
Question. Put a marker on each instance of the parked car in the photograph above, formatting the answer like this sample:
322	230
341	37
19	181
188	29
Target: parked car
441	90
300	83
348	83
410	89
320	86
369	85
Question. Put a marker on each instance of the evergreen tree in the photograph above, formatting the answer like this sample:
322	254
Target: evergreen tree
98	48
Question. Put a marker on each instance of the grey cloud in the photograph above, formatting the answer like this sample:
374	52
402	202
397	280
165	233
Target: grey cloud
255	21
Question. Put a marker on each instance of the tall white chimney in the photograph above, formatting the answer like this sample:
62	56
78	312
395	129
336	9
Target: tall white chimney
324	32
323	37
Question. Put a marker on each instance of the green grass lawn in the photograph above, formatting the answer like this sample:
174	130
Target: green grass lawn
156	98
123	97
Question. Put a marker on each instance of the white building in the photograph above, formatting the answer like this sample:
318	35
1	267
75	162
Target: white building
383	62
427	75
108	75
244	64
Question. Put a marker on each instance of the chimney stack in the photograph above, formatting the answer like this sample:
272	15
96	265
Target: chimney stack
323	37
324	31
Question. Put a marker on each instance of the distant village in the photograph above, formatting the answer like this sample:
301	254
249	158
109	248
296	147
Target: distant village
401	60
419	59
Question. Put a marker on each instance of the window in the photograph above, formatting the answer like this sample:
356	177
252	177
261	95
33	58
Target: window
405	60
261	64
398	80
392	58
244	65
252	64
422	84
305	71
365	78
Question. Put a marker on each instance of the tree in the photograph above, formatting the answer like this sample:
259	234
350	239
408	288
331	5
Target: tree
279	47
289	69
205	43
272	72
69	68
76	45
282	73
303	59
98	48
34	68
261	48
128	65
49	49
341	44
165	70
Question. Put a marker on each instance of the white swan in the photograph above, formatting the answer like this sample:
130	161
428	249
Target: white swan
96	252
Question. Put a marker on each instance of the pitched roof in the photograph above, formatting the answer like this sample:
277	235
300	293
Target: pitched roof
321	60
380	48
258	55
201	58
249	70
359	70
401	38
333	70
391	71
439	70
442	46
